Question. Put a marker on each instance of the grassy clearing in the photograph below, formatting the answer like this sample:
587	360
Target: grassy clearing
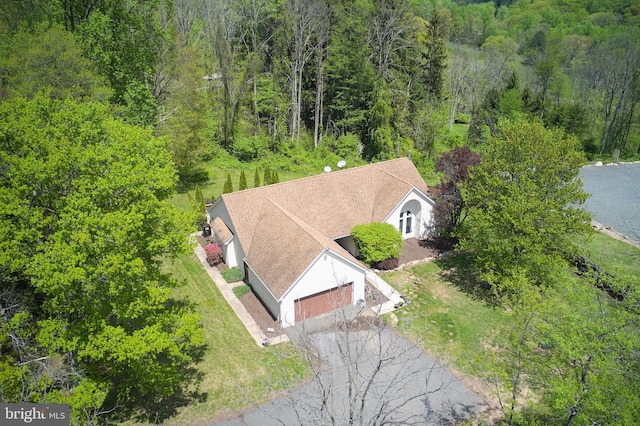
614	256
460	130
452	325
235	371
217	171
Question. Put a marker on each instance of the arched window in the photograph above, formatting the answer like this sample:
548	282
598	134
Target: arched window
409	216
401	221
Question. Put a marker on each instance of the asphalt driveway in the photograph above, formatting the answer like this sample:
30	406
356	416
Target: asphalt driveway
365	373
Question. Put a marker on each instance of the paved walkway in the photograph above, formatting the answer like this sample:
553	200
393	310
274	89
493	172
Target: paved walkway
388	291
227	291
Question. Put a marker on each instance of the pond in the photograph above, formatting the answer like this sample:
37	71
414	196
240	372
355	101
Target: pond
615	196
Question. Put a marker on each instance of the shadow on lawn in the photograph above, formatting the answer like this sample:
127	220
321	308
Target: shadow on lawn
458	270
155	408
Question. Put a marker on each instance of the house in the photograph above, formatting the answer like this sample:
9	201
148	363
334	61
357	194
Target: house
293	240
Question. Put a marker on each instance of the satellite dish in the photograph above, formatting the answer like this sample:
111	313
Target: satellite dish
327	169
342	163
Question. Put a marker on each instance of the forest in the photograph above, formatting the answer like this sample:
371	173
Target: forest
359	79
108	106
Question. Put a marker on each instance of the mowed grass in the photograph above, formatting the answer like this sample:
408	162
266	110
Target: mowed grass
614	256
236	373
444	316
451	313
212	188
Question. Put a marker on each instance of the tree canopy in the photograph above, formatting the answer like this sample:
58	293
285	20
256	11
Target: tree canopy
524	197
84	226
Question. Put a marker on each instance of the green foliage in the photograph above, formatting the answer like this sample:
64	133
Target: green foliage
199	199
346	147
523	199
125	41
243	181
50	59
228	185
274	177
250	148
85	220
185	119
241	290
377	242
256	179
231	275
266	179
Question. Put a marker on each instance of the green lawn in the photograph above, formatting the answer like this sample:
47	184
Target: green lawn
234	369
443	315
614	256
218	169
461	130
451	313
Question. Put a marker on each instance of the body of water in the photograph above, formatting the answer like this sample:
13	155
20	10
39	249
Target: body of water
615	196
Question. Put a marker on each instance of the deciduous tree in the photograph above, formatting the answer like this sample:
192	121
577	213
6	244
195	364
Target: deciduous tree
84	224
449	209
524	205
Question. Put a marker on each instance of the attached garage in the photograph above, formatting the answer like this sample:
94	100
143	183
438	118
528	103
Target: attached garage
323	302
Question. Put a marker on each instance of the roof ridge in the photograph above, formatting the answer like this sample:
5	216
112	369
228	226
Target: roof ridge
391	174
279	184
299	222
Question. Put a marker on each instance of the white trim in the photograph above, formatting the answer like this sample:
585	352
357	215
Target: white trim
309	266
403	201
315	260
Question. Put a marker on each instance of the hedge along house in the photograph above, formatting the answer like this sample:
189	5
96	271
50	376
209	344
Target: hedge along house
293	240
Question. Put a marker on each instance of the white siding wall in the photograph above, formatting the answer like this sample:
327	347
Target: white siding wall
233	251
327	272
421	207
263	293
230	253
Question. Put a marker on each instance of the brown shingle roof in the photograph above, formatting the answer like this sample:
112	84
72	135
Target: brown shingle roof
283	227
220	229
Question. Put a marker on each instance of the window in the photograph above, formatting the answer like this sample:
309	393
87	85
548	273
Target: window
408	228
401	221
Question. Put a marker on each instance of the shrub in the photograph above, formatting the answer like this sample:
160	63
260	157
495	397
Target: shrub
256	179
377	242
241	290
391	263
214	254
461	118
231	275
250	148
266	180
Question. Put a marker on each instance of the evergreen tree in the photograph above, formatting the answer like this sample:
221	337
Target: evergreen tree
434	53
200	200
243	181
256	179
228	185
267	175
274	177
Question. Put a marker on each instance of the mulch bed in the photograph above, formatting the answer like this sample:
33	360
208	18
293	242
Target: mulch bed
414	249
